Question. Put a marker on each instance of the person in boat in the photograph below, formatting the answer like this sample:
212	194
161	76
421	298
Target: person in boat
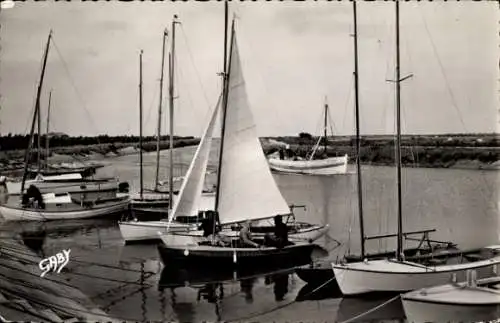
33	198
282	154
246	236
211	229
4	192
280	238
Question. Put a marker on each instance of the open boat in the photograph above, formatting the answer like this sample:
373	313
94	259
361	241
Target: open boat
311	166
398	275
246	189
469	301
80	205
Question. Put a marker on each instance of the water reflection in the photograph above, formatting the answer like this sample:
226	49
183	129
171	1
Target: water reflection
371	309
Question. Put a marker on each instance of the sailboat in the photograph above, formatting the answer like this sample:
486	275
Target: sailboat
426	249
311	166
55	184
470	301
193	205
150	206
154	206
151	215
398	275
75	205
246	189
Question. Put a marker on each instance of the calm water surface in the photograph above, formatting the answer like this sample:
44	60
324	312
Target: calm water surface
127	281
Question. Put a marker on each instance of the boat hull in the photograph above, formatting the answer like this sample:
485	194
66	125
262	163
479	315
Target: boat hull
229	257
422	312
11	213
329	166
188	236
389	276
61	187
134	231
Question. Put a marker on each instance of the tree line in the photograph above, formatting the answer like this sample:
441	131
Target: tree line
14	142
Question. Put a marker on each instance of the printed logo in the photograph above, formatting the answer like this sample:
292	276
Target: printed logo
56	263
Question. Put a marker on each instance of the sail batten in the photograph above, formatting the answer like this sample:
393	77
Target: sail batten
247	190
191	189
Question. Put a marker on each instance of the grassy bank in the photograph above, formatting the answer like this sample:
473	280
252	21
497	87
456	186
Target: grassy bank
478	151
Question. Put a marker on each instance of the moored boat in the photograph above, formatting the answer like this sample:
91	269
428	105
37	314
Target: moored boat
469	301
246	189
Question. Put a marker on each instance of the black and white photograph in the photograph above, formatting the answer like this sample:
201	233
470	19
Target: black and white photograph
250	161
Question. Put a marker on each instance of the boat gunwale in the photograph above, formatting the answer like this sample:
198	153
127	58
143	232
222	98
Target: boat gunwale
432	269
106	204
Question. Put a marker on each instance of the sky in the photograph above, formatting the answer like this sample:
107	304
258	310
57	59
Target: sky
295	56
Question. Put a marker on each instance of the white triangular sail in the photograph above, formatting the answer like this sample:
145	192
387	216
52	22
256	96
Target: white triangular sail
247	189
190	193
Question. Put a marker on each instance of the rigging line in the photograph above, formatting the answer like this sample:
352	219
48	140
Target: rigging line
347	100
194	65
249	317
80	97
353	319
73	259
151	105
450	92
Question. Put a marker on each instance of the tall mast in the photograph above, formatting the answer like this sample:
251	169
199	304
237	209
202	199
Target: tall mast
36	113
325	125
47	132
225	85
398	140
158	139
171	97
358	138
39	141
140	125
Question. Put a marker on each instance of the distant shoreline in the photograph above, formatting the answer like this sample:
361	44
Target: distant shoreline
479	151
475	151
12	161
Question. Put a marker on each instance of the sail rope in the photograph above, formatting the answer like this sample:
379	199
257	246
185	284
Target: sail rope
372	310
443	71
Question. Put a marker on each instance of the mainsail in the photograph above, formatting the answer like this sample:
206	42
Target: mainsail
247	189
189	197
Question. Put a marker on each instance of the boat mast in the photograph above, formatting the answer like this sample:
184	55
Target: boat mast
140	125
358	139
36	113
325	125
39	142
400	254
225	85
171	97
47	132
158	140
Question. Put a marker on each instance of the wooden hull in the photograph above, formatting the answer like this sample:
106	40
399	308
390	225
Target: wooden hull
135	231
71	211
375	276
307	234
329	166
454	303
210	256
61	187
